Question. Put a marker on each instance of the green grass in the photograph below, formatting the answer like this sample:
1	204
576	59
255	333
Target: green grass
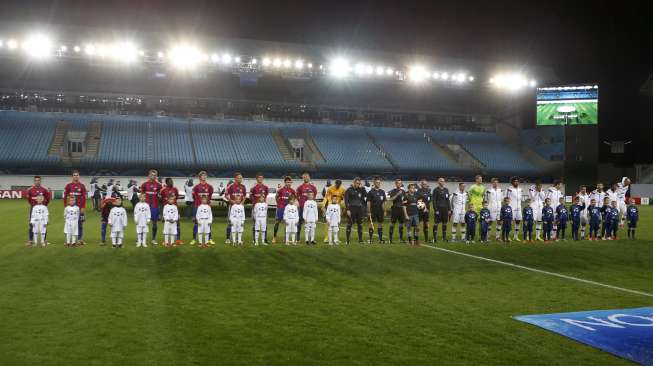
278	305
587	112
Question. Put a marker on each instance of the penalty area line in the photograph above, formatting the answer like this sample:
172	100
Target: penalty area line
559	275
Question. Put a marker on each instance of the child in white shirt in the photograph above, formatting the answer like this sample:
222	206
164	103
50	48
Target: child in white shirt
204	219
71	219
237	220
170	218
333	220
39	221
260	214
310	216
291	217
118	223
142	217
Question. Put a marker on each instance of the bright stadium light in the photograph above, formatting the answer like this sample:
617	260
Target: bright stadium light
444	76
287	63
461	78
436	75
125	52
102	50
388	71
471	78
1	43
379	70
510	82
266	61
417	73
277	62
339	68
184	56
77	49
310	65
226	59
160	54
89	49
254	61
359	69
237	59
533	83
215	58
38	46
299	64
12	44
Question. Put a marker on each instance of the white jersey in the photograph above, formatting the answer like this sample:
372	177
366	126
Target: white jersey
142	214
554	195
132	192
118	219
612	196
458	200
109	191
71	214
537	197
204	214
170	212
260	211
332	214
583	199
494	196
309	213
290	213
188	193
39	215
237	213
598	196
515	196
621	191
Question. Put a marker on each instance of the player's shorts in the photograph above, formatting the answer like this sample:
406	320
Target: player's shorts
622	207
378	214
441	215
397	214
260	224
154	214
118	234
632	224
39	228
584	219
424	216
458	215
204	228
237	226
71	227
356	216
142	229
495	213
170	228
291	226
279	214
413	220
537	213
516	213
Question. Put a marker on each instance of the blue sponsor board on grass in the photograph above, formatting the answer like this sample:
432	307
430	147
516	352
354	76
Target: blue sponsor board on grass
627	333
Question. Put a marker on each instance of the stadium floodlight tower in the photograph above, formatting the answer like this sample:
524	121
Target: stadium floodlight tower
38	46
185	56
340	68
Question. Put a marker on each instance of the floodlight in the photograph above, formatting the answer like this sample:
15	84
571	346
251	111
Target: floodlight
185	56
254	61
237	59
360	69
77	49
277	62
339	68
124	52
12	44
287	63
471	78
90	49
63	48
102	50
226	58
533	83
417	73
1	43
436	75
379	70
388	71
461	78
38	46
444	76
310	65
160	54
215	57
266	61
299	64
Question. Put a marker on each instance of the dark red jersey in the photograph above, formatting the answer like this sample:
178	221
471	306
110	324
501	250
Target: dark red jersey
35	191
236	190
77	190
151	191
257	191
283	195
202	190
166	192
302	192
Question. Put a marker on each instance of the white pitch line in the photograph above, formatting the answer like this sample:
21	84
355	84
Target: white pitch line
636	292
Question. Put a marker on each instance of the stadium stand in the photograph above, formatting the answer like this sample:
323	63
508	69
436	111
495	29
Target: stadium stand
25	140
547	141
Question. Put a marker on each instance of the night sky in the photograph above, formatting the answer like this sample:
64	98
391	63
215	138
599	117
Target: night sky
608	42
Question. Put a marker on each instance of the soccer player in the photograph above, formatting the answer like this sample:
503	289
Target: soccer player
77	190
528	216
291	218
302	195
470	222
633	217
283	197
235	192
118	222
537	196
105	209
203	220
476	192
309	216
424	195
458	204
623	195
612	194
514	192
188	197
562	215
598	195
333	214
151	188
237	220
36	190
594	213
170	190
39	221
255	193
71	221
375	210
485	220
142	217
200	191
548	217
354	201
396	195
505	216
583	200
411	214
337	191
494	198
576	212
554	194
260	215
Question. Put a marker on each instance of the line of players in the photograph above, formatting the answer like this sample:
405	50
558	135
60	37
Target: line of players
543	210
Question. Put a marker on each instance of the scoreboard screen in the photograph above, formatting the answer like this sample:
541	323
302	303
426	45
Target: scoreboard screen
568	105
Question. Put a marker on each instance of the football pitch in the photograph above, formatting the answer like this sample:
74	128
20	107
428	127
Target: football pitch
278	305
587	114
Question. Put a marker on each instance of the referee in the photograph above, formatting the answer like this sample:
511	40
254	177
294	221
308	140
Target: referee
375	211
442	209
424	195
354	201
397	195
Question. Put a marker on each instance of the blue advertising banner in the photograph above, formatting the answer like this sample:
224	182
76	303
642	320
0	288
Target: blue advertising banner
627	333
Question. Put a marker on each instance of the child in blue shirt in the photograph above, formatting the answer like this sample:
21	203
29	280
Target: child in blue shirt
594	213
562	216
528	219
632	215
505	217
547	219
575	211
485	221
470	221
605	212
614	219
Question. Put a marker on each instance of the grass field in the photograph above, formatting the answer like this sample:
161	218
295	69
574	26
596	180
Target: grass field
278	305
587	113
